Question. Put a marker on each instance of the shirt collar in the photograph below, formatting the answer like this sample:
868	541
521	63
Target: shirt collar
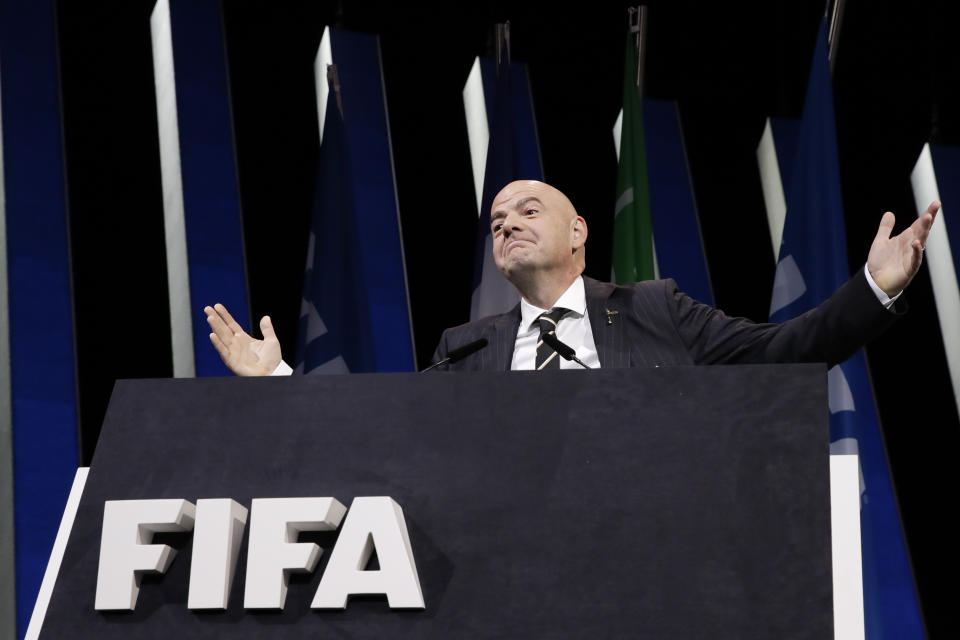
574	298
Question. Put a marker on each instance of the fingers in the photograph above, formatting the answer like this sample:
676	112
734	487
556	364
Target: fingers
227	318
266	327
220	347
923	224
218	326
916	256
886	226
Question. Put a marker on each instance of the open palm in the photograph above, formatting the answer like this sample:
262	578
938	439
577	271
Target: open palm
893	261
243	354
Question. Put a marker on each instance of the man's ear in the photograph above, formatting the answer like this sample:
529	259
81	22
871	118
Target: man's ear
578	233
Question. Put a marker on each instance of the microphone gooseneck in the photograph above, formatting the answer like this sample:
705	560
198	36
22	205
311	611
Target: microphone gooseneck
459	353
564	350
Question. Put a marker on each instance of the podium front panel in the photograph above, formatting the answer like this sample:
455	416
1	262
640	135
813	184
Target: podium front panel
676	502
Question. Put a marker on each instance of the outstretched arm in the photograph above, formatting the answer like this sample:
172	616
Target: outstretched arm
893	261
829	333
244	355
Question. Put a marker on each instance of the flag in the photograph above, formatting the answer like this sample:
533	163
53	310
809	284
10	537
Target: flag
355	314
38	382
812	265
202	221
334	335
650	151
633	253
501	96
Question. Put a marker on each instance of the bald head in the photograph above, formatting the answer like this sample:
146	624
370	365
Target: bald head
544	191
537	234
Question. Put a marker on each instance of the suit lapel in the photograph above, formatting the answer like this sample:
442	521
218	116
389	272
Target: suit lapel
506	327
608	335
607	320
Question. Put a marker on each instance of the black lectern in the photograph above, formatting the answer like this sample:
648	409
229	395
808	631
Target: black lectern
677	502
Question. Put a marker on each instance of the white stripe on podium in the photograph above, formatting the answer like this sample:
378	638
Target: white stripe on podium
848	619
56	555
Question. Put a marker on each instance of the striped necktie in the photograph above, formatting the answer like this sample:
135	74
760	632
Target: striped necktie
547	358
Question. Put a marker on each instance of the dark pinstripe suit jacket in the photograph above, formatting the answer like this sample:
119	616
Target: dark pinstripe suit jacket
653	323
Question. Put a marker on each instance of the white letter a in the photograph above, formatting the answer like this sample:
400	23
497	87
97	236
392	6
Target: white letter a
371	523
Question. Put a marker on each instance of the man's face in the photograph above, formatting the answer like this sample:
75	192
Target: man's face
533	227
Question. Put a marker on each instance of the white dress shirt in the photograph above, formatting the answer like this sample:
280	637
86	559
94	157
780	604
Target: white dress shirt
573	329
882	296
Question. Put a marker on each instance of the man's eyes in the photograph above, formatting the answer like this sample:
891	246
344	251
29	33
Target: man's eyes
526	212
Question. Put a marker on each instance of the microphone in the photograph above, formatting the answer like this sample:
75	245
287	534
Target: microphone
564	350
460	353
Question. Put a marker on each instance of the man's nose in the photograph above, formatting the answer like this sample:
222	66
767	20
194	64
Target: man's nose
511	223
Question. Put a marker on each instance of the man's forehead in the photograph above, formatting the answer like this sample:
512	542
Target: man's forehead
516	193
515	204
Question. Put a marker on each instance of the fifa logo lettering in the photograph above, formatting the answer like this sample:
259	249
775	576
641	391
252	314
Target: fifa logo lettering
372	524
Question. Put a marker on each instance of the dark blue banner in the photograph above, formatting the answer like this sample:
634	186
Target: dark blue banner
946	160
335	334
354	313
673	210
812	265
513	153
211	199
42	363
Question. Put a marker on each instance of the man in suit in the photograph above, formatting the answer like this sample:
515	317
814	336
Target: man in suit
539	245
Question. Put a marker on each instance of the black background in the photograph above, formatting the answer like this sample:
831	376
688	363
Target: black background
729	65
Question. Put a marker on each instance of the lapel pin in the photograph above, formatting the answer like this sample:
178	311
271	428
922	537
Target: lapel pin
610	315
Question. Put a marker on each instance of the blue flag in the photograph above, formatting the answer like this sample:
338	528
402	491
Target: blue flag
355	314
42	409
513	153
812	265
335	335
673	210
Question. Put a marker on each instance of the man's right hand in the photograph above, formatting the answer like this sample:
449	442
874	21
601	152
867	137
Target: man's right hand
244	355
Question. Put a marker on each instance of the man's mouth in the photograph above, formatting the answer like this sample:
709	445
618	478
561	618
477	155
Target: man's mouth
511	244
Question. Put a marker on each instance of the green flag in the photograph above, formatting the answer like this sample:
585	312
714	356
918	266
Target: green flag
633	257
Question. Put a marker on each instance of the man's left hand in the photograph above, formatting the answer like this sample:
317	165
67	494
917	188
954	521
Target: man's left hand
893	261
